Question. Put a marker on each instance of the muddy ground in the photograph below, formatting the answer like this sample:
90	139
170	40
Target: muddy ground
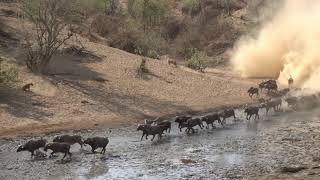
241	150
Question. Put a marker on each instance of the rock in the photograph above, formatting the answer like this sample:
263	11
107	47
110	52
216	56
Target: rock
311	173
84	102
188	161
36	104
100	79
291	138
316	167
314	159
292	169
195	150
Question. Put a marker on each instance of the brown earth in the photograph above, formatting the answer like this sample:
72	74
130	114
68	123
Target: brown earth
102	89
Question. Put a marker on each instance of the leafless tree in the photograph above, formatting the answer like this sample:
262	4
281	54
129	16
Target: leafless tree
48	19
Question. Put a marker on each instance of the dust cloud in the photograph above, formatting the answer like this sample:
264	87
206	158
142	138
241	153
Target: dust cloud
287	45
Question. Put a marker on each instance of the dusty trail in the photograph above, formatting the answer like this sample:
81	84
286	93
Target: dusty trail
239	151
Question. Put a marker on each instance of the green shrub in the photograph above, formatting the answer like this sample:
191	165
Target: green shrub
198	60
8	72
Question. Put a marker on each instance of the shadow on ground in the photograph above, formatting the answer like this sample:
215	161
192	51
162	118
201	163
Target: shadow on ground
23	105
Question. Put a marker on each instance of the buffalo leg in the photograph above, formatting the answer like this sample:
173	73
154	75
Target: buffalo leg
93	150
65	154
153	137
142	136
201	125
193	131
213	126
51	155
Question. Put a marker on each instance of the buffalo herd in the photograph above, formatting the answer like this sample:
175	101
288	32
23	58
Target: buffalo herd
157	127
276	99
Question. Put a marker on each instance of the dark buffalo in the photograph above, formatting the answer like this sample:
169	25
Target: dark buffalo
32	145
195	121
250	111
182	119
274	104
97	142
211	118
252	91
69	139
226	114
166	125
151	130
57	147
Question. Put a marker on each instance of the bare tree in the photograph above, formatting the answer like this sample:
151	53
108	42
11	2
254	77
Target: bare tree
48	20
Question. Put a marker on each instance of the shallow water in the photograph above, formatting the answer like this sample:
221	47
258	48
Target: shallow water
239	150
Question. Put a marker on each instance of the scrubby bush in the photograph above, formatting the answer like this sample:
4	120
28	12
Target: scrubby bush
191	7
149	12
48	19
133	39
112	6
93	4
8	72
198	60
150	44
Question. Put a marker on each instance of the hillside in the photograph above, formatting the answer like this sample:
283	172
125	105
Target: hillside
101	88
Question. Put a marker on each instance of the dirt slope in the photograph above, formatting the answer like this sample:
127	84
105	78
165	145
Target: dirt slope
74	96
